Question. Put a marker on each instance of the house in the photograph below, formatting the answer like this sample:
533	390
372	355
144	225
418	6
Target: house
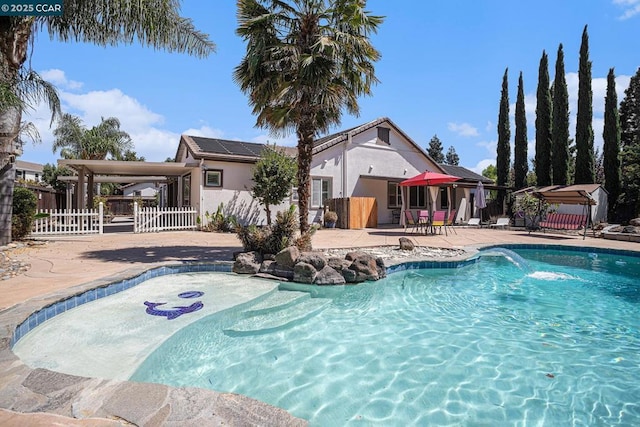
369	161
464	191
28	171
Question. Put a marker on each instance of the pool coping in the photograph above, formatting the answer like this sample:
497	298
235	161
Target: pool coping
40	390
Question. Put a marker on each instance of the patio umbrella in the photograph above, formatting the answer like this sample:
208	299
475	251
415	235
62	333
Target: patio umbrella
429	179
480	200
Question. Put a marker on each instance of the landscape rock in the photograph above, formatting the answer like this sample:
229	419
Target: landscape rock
304	273
635	222
329	276
406	244
247	263
288	256
364	265
316	259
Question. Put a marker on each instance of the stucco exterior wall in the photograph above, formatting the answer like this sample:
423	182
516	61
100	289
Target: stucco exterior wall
147	189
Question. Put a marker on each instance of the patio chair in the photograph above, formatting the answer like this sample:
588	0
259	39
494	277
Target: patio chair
409	221
440	220
501	222
423	219
451	220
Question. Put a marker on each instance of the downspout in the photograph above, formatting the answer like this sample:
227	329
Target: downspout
344	165
201	194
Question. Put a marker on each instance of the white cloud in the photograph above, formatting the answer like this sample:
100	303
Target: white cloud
59	79
482	165
205	131
463	129
631	8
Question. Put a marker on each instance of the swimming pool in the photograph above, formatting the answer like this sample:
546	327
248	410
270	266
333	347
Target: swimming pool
549	340
503	339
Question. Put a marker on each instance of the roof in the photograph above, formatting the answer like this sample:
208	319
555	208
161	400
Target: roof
329	141
114	167
465	174
29	166
224	149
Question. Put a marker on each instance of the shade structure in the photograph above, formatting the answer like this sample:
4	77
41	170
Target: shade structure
429	178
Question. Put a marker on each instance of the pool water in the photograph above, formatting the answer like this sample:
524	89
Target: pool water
527	338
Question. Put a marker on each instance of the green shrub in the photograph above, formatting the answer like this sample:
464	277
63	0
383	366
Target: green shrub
270	239
218	221
25	205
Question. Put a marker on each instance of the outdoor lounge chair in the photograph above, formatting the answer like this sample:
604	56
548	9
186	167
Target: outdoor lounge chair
502	222
474	222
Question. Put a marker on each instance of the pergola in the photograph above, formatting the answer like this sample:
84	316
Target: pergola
100	171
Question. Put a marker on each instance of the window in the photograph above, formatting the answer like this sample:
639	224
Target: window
137	193
186	190
444	200
383	134
394	195
418	197
320	191
294	195
213	178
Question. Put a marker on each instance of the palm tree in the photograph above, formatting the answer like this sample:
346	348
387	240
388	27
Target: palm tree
77	142
155	23
306	61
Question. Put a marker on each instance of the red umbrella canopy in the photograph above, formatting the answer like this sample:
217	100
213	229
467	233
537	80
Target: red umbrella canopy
429	178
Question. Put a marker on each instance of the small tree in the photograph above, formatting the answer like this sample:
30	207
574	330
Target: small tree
273	176
435	149
25	204
452	157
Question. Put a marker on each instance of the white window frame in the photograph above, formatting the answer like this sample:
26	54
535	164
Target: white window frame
317	193
394	193
213	173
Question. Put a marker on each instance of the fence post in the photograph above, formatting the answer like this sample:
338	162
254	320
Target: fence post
135	217
100	217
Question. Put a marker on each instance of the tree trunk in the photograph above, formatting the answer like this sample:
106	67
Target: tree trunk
14	42
305	155
9	128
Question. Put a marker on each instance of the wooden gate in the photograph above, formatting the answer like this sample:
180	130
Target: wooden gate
355	212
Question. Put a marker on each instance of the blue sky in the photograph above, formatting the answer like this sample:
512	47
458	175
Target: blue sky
441	73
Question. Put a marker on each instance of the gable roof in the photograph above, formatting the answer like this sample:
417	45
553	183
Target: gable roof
465	174
329	141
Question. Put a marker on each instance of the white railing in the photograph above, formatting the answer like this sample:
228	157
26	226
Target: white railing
150	220
69	221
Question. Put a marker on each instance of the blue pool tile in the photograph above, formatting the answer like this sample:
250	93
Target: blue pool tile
60	307
41	316
100	293
69	303
50	312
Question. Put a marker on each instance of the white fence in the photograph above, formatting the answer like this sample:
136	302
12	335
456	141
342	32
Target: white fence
150	220
69	221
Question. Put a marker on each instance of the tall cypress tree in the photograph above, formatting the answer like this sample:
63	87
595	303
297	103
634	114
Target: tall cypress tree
503	158
611	147
585	172
560	124
630	142
435	150
543	125
520	162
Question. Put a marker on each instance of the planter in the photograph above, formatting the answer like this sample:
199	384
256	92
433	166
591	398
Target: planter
330	224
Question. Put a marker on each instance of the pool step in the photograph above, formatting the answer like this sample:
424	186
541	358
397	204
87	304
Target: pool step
279	319
278	300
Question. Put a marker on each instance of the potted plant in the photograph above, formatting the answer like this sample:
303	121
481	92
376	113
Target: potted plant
330	219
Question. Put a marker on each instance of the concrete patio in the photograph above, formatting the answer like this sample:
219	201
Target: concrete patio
64	263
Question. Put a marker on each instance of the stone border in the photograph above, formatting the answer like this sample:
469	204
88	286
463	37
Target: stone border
625	237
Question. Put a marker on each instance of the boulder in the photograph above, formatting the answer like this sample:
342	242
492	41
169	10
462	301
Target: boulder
329	276
406	244
288	256
381	268
247	263
316	259
364	265
304	273
635	222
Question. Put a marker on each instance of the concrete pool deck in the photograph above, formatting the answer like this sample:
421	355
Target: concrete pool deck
62	265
